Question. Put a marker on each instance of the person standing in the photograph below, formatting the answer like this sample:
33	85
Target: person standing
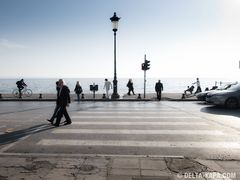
159	89
130	87
78	90
107	86
63	100
20	85
198	86
56	107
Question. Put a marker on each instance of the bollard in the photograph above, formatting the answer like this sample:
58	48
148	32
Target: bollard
0	96
104	96
82	96
183	96
139	96
40	96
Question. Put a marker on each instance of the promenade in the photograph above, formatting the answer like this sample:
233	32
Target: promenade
98	97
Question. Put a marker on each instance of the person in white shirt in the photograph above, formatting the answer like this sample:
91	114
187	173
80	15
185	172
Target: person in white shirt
198	86
107	86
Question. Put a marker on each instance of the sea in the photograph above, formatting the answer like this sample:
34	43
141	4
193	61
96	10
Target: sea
171	85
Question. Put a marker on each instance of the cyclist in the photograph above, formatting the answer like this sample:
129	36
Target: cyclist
20	85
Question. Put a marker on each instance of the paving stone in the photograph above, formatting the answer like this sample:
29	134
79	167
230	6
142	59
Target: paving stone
212	165
176	177
28	177
125	163
153	164
12	161
153	178
90	177
117	177
178	165
149	172
11	173
127	172
62	174
69	163
228	165
99	162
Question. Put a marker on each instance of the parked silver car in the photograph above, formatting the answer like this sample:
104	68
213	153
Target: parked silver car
230	98
202	95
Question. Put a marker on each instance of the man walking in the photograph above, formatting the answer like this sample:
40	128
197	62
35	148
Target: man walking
198	86
63	101
159	89
57	105
107	86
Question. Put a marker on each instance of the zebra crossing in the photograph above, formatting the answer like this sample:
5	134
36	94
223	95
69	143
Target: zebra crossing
141	129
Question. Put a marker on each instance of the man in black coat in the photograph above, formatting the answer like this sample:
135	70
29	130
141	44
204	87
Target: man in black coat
57	106
63	100
159	89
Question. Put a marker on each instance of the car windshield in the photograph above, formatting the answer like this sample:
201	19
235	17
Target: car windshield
227	86
235	87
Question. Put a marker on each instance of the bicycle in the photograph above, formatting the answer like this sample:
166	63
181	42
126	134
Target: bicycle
25	92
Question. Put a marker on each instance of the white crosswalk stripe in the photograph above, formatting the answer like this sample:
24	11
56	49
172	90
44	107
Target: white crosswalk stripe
145	132
178	144
135	117
140	123
125	112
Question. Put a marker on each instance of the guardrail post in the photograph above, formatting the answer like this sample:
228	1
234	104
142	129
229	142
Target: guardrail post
82	96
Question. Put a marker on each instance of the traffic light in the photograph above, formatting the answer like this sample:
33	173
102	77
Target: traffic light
147	65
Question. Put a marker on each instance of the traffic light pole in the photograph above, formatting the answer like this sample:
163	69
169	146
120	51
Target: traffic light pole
145	67
144	94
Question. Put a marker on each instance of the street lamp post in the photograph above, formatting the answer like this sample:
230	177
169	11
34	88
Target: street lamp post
114	21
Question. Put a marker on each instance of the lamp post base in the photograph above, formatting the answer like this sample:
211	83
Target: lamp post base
115	96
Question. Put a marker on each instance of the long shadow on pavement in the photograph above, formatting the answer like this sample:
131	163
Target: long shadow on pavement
16	135
221	111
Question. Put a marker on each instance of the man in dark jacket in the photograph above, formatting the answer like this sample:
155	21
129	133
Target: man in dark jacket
63	100
159	89
56	107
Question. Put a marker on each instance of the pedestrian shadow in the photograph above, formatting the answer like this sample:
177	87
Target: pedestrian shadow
217	110
17	135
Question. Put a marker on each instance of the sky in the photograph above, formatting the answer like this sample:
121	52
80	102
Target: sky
74	38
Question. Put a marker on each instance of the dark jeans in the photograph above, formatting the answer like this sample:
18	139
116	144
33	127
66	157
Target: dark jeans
57	108
130	90
159	95
20	91
198	90
62	111
78	97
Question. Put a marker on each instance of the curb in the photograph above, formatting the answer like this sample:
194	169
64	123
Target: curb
103	100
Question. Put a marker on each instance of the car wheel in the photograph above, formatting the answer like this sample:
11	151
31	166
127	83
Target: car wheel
231	103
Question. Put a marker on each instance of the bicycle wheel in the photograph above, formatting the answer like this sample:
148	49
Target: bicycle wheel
15	93
28	92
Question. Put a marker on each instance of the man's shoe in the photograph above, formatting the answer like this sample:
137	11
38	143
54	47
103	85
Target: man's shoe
67	123
50	121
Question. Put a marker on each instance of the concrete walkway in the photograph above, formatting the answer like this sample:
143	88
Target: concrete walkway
115	168
99	97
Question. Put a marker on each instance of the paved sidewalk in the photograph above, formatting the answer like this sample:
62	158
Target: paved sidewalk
115	168
99	97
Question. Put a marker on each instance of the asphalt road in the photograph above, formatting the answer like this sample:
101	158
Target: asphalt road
189	129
